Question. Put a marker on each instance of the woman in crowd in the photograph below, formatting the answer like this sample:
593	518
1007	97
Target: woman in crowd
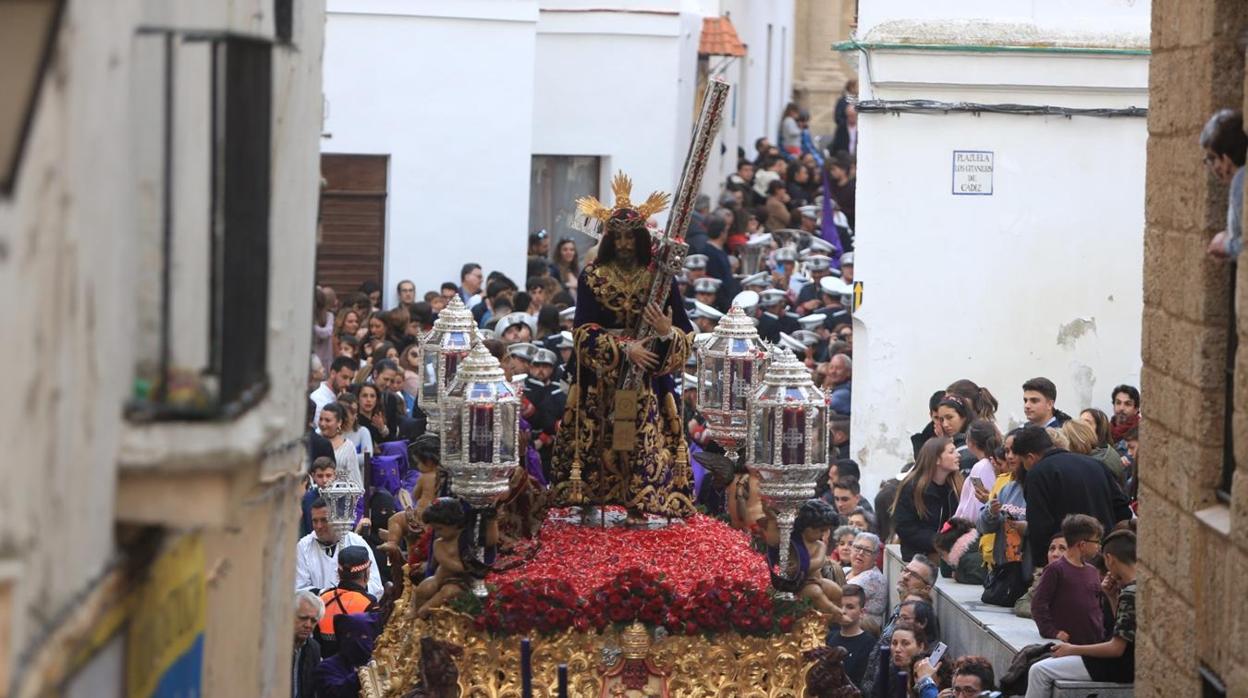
982	440
351	428
333	417
346	323
799	186
409	361
955	414
864	573
376	328
927	498
982	402
908	641
1104	450
862	519
958	546
322	328
567	264
1005	519
372	414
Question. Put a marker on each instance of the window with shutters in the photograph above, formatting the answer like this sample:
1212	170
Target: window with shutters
203	304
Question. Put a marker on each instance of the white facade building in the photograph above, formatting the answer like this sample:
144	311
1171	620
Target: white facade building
1024	261
496	115
138	161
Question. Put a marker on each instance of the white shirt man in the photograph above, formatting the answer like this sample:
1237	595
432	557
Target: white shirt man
341	373
316	561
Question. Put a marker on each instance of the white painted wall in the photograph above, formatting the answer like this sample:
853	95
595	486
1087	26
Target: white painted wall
76	236
446	90
617	85
1044	277
767	83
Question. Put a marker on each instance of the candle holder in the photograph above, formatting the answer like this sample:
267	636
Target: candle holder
787	441
730	367
342	495
441	351
480	438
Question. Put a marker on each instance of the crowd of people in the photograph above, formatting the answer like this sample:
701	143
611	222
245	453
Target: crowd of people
1041	516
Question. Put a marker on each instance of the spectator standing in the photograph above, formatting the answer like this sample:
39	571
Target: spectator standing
848	96
843	185
309	609
470	283
1225	147
778	215
790	131
864	574
567	264
1067	602
840	373
1060	483
341	373
332	422
1112	660
406	290
322	328
857	642
846	138
1039	394
1126	412
982	440
316	554
927	497
1104	449
719	266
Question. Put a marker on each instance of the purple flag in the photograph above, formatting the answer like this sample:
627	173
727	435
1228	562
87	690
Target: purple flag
827	228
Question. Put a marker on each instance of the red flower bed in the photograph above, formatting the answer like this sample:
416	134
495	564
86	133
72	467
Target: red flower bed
588	557
695	578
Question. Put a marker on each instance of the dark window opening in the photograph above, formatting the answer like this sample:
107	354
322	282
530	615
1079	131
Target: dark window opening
1228	418
284	20
1211	685
210	355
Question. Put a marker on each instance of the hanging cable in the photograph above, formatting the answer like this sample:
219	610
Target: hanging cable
928	106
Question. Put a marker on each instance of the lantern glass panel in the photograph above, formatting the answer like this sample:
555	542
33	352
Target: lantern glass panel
741	372
481	433
763	437
740	345
453	437
710	383
507	439
790	393
343	509
452	364
429	390
819	444
457	340
481	391
793	436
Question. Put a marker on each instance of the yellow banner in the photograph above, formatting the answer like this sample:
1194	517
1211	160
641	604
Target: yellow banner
164	641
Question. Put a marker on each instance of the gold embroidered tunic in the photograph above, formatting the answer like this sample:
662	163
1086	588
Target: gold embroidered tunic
654	477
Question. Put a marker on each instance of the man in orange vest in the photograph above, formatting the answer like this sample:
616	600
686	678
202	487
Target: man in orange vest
350	596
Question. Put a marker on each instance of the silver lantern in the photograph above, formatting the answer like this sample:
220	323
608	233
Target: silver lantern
788	440
481	435
730	367
441	351
343	496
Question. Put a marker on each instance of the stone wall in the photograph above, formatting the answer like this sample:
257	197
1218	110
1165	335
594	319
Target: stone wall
1194	548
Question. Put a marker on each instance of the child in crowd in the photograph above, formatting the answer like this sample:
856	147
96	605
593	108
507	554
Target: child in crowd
1067	602
319	476
1112	660
857	642
957	544
1057	548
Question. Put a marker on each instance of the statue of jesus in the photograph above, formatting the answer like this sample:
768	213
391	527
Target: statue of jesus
650	474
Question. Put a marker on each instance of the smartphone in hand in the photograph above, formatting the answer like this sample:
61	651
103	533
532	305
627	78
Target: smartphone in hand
938	653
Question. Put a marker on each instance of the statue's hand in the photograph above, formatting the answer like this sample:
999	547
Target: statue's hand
642	357
662	323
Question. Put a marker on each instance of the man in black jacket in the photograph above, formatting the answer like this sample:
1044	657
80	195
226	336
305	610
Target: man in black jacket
308	612
1060	483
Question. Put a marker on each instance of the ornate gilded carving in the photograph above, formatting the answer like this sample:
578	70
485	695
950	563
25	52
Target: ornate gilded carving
726	665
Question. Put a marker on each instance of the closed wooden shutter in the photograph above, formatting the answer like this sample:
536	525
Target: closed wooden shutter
353	221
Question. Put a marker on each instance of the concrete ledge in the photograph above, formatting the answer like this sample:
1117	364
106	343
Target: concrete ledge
970	626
